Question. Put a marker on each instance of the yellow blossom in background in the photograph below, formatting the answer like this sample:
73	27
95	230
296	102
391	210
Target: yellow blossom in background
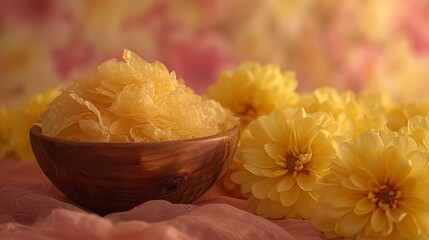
398	113
24	118
375	18
105	19
416	107
356	115
284	155
405	72
246	25
253	90
393	110
418	129
26	67
378	188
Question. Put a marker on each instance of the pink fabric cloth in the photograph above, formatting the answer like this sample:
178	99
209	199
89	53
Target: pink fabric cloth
32	208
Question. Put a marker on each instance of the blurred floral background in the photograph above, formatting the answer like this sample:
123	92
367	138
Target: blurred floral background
350	44
323	48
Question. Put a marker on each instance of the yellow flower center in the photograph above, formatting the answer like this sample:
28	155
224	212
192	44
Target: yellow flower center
385	197
296	164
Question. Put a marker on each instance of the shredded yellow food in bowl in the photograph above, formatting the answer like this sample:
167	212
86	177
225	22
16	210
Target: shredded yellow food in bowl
133	101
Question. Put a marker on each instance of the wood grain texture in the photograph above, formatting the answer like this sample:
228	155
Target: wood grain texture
113	177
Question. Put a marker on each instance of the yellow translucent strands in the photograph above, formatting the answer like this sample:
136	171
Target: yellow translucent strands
133	101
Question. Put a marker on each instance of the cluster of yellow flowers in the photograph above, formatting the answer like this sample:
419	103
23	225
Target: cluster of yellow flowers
356	165
15	123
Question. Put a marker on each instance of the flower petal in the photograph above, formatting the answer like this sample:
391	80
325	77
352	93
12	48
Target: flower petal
270	127
305	182
286	183
408	184
304	133
274	194
345	199
371	142
262	207
363	206
262	188
388	229
359	181
277	210
289	198
278	173
321	140
337	213
245	179
305	206
351	224
409	228
256	157
396	161
275	151
378	220
396	215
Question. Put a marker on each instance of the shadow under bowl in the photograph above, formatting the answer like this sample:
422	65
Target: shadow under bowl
108	177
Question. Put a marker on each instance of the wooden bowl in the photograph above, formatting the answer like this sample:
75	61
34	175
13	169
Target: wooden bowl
108	177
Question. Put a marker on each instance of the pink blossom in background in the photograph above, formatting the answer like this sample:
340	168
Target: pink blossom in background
28	12
360	65
155	19
414	21
214	10
48	20
197	57
75	55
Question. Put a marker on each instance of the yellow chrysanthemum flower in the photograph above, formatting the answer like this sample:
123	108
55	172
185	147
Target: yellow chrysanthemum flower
253	90
383	104
374	19
416	107
356	116
406	73
24	118
250	91
378	189
418	129
398	113
284	155
27	66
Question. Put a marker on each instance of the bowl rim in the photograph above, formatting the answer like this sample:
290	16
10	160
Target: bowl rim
36	131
